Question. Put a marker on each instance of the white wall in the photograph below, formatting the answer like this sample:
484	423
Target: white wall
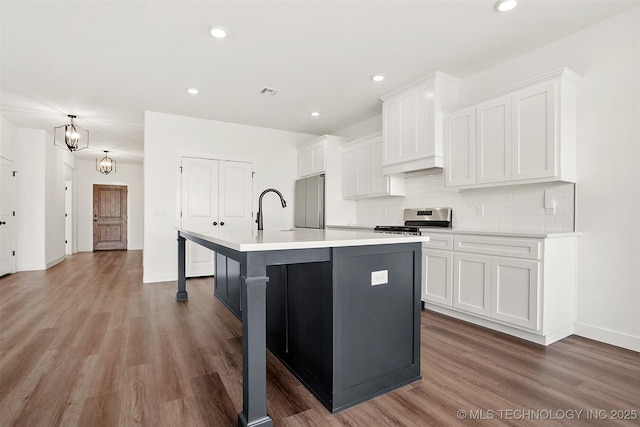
54	202
365	127
168	137
130	175
39	195
7	136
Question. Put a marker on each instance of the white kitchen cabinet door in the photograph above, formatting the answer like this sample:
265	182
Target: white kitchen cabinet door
437	283
215	195
305	162
311	158
472	283
317	158
391	113
534	132
459	134
514	291
349	172
408	109
363	169
379	182
424	122
493	141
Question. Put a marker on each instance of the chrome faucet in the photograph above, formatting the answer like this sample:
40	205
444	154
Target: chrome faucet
260	221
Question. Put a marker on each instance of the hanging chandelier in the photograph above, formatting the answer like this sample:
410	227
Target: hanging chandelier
106	165
71	136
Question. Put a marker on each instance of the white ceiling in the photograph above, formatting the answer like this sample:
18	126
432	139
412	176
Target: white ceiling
109	61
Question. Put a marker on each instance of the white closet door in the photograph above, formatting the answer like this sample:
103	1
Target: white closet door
200	211
7	220
235	196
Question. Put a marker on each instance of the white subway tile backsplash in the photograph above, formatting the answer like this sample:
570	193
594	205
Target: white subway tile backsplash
510	208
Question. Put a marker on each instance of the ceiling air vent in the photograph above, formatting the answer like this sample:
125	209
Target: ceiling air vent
268	91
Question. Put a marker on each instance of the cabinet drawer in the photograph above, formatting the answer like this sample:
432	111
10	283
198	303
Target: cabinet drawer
438	241
517	248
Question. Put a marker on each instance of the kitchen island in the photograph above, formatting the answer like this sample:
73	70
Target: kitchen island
341	309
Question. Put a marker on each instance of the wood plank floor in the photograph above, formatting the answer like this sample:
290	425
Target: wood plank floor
85	343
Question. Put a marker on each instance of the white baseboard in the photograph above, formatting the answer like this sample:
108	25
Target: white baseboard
30	267
156	278
549	338
607	336
55	261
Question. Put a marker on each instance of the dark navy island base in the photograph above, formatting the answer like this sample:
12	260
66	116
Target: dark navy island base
317	311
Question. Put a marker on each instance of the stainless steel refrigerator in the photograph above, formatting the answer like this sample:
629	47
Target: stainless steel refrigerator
309	202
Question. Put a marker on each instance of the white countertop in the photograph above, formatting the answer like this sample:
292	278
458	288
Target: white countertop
300	238
427	231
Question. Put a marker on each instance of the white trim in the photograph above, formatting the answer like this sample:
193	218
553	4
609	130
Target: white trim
31	267
549	338
158	278
54	262
607	336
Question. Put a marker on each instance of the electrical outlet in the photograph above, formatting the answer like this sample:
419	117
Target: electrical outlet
549	203
379	277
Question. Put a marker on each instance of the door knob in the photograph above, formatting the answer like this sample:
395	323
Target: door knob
215	222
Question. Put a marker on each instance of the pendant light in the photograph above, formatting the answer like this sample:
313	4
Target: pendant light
71	136
106	165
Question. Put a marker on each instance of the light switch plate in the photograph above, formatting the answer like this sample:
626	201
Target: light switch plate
380	277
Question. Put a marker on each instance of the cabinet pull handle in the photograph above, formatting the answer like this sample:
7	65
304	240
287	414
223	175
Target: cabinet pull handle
215	222
221	223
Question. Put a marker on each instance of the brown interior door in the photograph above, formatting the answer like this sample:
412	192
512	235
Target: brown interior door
109	217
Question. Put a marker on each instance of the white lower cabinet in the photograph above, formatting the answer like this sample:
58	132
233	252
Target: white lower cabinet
514	291
517	285
472	283
438	276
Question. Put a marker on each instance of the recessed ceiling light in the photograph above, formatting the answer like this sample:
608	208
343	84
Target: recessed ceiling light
219	32
193	91
377	77
505	5
315	114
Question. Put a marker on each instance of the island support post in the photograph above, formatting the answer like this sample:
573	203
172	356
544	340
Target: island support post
254	312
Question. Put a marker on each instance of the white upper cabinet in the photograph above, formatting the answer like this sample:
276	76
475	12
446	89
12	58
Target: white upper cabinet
460	151
311	157
493	141
362	170
534	132
523	134
412	124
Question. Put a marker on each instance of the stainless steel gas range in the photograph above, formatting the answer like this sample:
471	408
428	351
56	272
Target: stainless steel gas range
420	218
